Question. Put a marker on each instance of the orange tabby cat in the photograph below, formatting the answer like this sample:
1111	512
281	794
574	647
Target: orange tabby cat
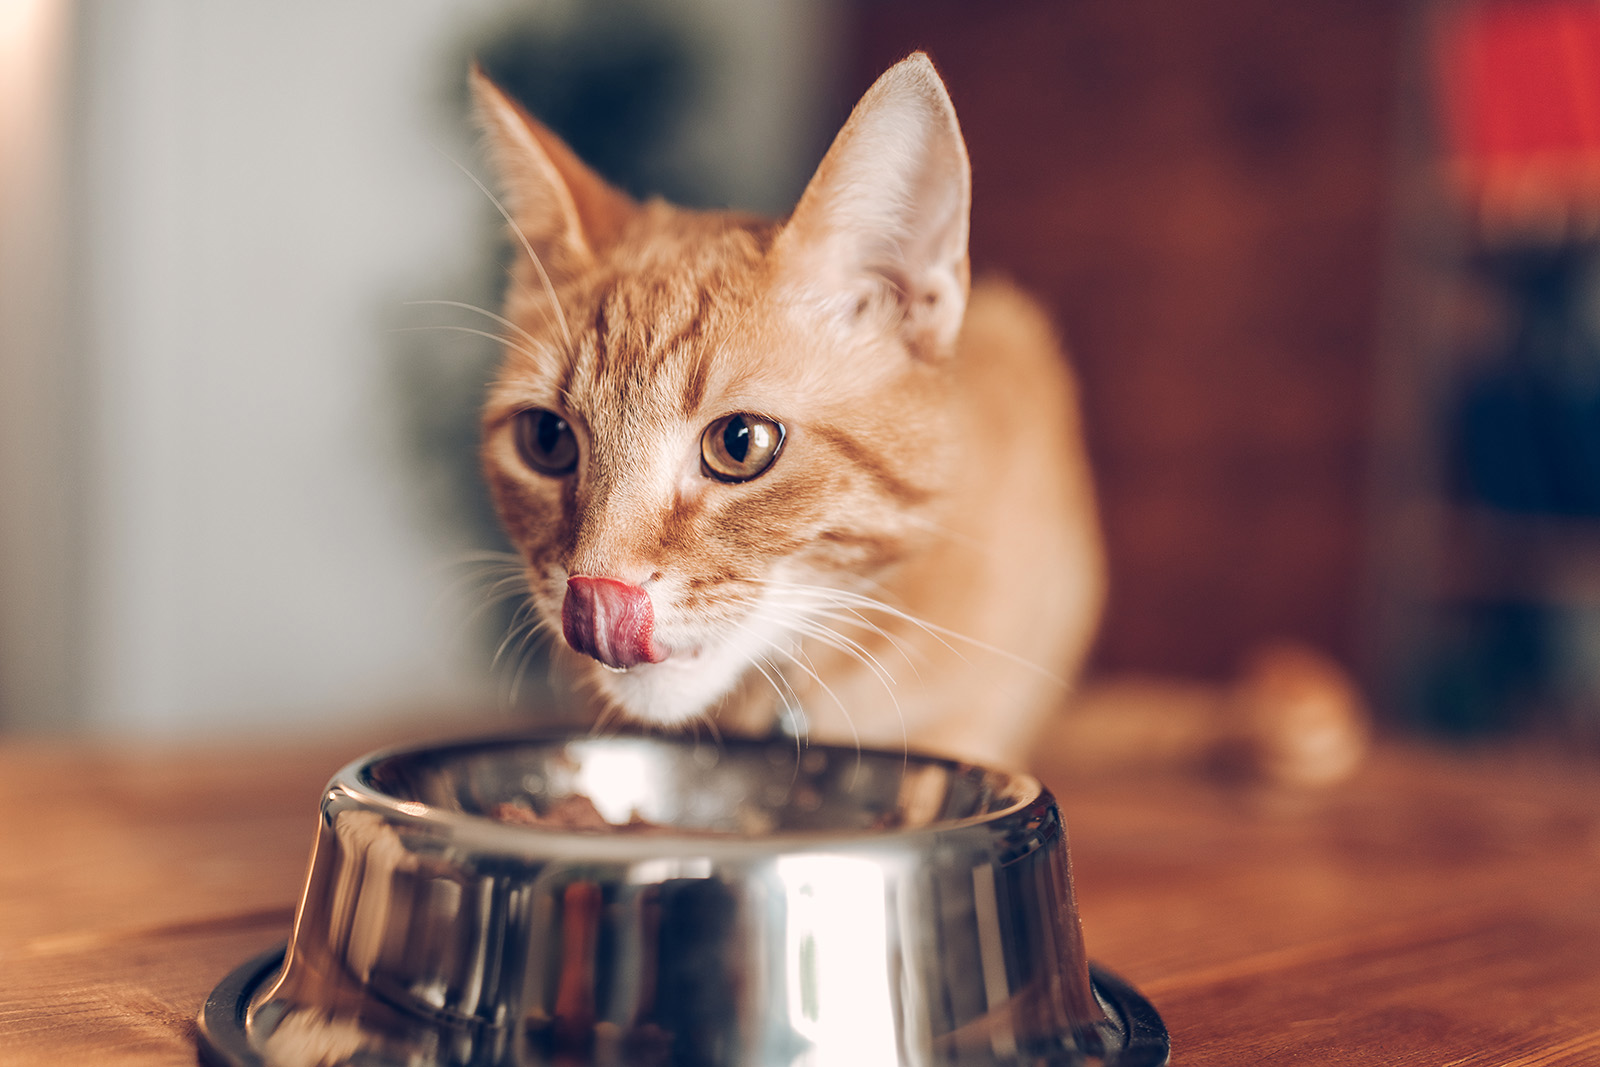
792	472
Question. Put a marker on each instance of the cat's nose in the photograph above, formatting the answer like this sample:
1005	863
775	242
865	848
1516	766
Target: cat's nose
611	621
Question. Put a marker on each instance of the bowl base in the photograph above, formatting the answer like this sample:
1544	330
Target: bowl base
1134	1033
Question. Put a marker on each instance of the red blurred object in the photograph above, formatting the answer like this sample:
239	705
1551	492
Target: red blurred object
1519	84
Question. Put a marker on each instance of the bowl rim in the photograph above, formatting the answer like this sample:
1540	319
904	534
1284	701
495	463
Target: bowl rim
483	831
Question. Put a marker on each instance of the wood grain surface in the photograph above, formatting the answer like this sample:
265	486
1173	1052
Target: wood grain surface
1440	909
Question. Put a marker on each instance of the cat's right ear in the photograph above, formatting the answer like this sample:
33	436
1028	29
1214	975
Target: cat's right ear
566	212
882	227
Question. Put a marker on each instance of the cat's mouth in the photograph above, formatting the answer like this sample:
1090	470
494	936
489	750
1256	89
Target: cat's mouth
674	677
667	655
611	621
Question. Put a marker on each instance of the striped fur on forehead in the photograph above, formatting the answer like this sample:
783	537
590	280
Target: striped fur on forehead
648	318
642	343
681	322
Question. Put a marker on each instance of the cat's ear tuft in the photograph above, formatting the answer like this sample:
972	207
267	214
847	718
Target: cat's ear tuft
565	211
883	222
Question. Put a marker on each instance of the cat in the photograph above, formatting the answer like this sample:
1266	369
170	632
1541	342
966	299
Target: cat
792	473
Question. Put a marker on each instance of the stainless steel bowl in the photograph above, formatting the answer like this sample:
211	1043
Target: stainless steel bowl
739	903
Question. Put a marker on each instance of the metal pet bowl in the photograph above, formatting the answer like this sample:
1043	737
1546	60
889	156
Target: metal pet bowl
642	901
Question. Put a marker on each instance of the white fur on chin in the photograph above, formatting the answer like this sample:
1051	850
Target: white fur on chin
689	684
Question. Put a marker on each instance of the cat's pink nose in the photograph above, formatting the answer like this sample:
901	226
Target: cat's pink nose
611	621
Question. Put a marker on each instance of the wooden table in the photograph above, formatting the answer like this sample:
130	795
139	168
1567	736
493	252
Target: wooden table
1439	909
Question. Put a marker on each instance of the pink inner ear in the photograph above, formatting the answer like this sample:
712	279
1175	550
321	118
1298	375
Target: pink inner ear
611	621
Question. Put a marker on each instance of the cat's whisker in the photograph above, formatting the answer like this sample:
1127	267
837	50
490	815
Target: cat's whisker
485	312
799	653
886	680
524	638
899	714
849	602
492	600
516	582
521	622
780	684
826	635
756	662
926	629
798	718
797	727
530	643
527	246
484	555
842	598
855	618
494	583
798	657
485	577
473	564
808	626
536	357
484	580
806	668
520	633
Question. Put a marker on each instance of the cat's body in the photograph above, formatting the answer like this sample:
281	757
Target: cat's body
789	472
1012	564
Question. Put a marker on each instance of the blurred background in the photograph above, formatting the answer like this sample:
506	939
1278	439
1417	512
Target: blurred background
1325	267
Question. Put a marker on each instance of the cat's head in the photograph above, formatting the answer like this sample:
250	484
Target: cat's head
703	418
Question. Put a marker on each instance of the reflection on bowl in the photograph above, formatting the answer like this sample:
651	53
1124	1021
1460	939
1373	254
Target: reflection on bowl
741	903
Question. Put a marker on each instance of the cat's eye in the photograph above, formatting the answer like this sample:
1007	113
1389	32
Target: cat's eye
545	441
739	447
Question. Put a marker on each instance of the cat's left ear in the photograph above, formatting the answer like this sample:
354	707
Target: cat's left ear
882	227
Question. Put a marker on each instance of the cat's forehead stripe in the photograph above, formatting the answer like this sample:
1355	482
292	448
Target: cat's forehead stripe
690	331
694	389
602	330
646	337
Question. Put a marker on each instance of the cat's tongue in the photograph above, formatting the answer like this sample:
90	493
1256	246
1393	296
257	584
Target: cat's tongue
611	621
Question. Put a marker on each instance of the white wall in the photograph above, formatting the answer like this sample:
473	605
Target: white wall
258	188
260	183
